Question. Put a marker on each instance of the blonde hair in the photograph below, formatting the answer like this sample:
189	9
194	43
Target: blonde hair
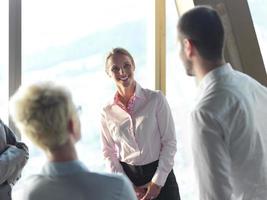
118	50
41	112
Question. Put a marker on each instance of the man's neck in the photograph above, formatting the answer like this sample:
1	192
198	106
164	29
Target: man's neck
66	152
204	67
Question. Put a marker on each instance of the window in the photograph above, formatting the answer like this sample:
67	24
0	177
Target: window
66	42
259	15
4	60
180	94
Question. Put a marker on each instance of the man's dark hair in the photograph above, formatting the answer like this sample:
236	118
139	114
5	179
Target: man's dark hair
203	26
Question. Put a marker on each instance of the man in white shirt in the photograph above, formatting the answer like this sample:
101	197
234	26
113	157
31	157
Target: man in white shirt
13	157
46	114
228	123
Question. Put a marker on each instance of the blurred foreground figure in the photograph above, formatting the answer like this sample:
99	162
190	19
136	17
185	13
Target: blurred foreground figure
46	114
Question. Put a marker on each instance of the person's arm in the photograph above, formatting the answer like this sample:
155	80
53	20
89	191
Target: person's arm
11	139
13	158
168	148
109	148
10	136
211	156
168	141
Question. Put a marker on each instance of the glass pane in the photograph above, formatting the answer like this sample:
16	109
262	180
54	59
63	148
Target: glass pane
66	42
4	60
258	10
180	94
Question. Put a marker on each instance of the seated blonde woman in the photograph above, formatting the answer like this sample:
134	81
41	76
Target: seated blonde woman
46	114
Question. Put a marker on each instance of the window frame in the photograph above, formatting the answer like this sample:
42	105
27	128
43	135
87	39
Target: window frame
15	67
240	35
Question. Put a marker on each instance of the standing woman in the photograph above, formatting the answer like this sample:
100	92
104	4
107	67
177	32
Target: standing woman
138	134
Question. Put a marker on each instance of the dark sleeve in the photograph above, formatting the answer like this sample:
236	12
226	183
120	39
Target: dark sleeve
13	157
10	136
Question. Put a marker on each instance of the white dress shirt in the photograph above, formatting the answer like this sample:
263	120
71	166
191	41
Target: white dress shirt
147	135
72	181
229	130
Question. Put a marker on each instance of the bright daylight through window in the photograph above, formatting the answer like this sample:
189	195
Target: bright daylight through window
259	15
180	94
69	45
66	42
4	60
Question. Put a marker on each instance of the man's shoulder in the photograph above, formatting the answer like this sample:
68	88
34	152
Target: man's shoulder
86	178
104	179
79	184
114	185
218	96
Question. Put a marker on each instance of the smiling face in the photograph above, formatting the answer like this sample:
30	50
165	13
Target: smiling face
121	69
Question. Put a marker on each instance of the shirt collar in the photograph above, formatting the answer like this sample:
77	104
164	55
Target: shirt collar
138	94
63	168
214	74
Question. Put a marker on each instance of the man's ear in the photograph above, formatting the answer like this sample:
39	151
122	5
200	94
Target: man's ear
70	126
74	129
188	47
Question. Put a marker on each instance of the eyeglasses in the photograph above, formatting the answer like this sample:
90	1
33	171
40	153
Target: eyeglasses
79	110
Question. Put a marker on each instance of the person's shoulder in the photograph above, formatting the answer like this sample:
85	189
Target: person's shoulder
35	180
106	107
120	184
117	181
111	179
217	97
107	104
112	184
78	184
150	91
42	187
152	94
27	188
218	104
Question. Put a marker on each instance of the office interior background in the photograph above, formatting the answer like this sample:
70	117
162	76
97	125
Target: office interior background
66	41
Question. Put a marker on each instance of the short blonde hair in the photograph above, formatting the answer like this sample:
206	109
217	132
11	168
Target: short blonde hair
41	111
118	50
